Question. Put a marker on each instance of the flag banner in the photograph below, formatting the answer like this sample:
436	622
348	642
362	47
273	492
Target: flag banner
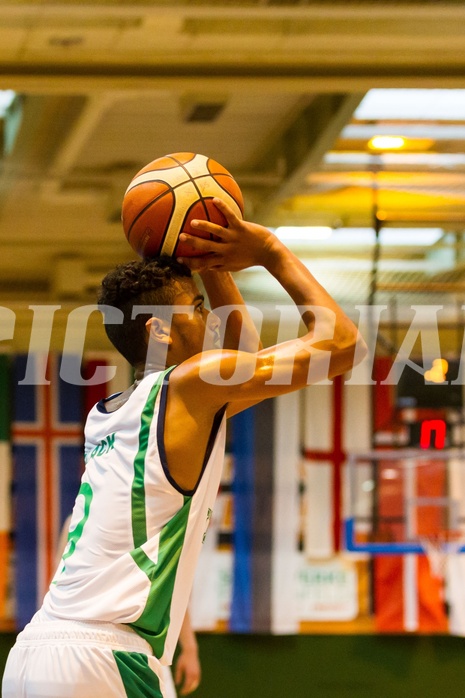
325	456
47	436
243	428
317	472
266	460
5	490
48	452
407	596
273	560
210	605
286	509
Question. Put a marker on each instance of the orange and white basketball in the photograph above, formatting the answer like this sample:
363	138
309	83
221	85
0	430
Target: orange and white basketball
167	194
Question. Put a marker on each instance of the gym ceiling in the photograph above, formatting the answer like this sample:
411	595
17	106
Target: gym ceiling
277	91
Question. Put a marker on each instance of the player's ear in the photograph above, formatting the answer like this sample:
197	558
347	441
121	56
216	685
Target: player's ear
159	330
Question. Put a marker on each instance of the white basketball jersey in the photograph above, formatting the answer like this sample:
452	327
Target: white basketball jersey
135	536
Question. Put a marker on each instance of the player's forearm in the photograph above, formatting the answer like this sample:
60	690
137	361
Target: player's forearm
306	291
240	330
187	638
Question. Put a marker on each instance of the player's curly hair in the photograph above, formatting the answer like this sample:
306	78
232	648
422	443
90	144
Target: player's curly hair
146	282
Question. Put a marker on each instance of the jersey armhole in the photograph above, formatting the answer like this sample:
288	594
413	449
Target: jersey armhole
218	418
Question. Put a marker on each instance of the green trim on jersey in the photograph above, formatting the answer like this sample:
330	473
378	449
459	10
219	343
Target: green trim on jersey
73	536
139	680
154	621
139	517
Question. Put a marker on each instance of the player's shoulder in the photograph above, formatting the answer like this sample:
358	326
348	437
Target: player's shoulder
211	373
206	364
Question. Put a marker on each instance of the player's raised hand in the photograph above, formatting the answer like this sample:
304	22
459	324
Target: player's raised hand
239	245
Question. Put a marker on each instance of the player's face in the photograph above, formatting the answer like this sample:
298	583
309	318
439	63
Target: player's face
197	331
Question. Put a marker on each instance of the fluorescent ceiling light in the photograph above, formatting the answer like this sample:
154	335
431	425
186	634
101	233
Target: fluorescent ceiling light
324	236
447	160
386	142
423	237
438	133
396	237
6	98
421	105
294	233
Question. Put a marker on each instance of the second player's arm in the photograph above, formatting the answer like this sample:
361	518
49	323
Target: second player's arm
188	671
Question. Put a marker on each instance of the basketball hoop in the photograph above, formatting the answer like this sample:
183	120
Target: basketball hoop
439	547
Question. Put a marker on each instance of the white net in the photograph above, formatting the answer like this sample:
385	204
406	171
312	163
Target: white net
439	548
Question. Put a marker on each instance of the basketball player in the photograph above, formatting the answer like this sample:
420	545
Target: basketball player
154	456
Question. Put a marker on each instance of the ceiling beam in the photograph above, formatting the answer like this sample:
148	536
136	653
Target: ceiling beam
46	79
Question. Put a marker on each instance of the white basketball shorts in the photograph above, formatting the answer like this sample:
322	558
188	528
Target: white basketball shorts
167	676
72	659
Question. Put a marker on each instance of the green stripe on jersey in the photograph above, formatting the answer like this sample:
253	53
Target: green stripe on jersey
139	680
139	517
154	621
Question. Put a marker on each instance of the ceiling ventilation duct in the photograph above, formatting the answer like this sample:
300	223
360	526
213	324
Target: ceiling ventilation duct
202	109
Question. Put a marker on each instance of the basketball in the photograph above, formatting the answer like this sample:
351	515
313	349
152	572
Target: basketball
167	194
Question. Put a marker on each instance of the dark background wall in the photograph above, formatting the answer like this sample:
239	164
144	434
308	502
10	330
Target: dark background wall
325	666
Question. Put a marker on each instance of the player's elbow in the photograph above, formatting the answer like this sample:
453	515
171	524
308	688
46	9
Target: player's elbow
348	353
361	350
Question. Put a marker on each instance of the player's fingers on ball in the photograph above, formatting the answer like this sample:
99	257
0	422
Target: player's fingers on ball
197	243
208	227
226	210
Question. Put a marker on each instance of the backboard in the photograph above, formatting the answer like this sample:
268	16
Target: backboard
405	501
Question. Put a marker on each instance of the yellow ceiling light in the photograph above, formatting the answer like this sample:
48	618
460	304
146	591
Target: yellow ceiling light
386	143
438	371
